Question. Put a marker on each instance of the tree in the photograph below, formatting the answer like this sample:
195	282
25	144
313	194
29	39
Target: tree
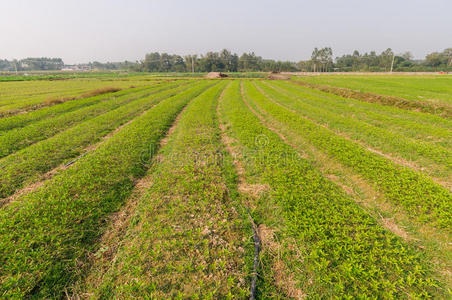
151	62
250	62
315	58
326	58
191	62
229	60
386	58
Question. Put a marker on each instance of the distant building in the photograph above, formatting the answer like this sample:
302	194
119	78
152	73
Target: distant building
79	67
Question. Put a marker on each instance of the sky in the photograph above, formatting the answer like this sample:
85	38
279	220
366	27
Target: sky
113	30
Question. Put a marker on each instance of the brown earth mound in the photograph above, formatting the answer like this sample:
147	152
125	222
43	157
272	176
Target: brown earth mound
276	76
216	75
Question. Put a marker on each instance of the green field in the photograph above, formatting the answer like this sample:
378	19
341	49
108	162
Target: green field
434	88
161	187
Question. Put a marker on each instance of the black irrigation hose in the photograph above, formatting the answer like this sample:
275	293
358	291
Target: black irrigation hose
256	259
73	161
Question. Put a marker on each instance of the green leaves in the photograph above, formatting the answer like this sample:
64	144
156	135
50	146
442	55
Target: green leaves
346	250
423	199
45	236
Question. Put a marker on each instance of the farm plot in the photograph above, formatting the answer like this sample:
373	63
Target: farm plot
231	188
19	138
34	162
327	243
419	143
186	236
45	235
425	200
430	94
21	96
425	88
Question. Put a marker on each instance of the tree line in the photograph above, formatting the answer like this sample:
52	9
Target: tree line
322	60
223	61
32	64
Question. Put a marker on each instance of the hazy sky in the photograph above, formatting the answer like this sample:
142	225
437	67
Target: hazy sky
114	30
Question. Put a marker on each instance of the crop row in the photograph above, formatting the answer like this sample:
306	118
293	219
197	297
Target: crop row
45	236
420	126
20	138
423	199
185	238
29	164
16	97
434	107
342	250
51	111
423	153
416	88
28	94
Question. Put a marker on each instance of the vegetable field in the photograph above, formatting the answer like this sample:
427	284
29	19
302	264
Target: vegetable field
141	187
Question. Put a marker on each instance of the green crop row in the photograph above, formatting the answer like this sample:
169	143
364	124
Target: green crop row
185	237
45	236
431	106
52	111
18	97
343	252
381	139
420	126
30	94
20	138
29	164
416	88
423	199
61	76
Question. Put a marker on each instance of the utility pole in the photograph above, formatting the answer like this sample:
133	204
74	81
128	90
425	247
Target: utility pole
192	65
392	63
449	63
15	64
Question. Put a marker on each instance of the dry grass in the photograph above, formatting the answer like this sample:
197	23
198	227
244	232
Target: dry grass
282	276
101	91
254	190
59	100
